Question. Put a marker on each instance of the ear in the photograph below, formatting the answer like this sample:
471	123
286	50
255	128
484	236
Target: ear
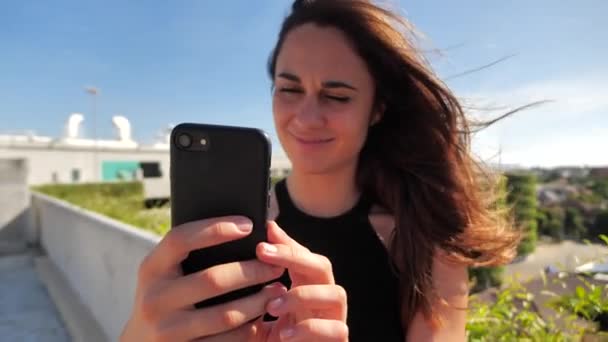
377	114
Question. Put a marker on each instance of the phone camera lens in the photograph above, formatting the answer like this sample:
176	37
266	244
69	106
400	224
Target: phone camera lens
184	140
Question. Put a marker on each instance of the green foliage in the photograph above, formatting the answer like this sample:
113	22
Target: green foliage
486	277
588	301
521	197
591	198
501	202
600	226
115	190
574	225
550	222
600	188
528	244
275	180
512	317
549	176
121	201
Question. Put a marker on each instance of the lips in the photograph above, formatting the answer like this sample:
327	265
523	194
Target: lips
312	140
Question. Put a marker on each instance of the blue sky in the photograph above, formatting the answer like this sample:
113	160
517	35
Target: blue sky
162	62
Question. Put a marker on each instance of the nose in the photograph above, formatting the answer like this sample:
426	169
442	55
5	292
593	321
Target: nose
309	113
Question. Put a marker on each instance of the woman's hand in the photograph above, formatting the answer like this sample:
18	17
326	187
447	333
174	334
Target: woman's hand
315	308
164	298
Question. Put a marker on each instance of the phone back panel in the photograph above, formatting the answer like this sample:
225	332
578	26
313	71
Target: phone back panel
230	177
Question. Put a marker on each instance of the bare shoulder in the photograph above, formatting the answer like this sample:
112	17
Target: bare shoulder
383	223
451	280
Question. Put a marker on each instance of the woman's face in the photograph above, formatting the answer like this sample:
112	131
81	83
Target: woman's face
323	99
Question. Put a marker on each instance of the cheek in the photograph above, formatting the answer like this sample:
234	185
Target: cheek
280	116
352	125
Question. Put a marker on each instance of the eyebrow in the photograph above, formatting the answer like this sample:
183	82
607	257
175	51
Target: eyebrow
326	84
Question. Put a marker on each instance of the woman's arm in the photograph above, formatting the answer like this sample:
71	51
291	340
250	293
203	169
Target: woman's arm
452	284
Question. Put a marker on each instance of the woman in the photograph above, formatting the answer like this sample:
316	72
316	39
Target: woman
378	220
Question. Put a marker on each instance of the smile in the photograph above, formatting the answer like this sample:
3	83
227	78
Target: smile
312	141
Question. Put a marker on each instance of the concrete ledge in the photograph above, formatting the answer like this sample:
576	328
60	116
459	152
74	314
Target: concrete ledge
77	318
98	257
110	223
10	247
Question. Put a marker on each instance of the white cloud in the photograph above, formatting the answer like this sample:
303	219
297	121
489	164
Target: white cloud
571	97
573	130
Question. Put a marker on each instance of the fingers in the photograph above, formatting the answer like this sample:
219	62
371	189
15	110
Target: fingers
252	332
185	291
328	301
277	235
315	329
181	240
315	268
224	317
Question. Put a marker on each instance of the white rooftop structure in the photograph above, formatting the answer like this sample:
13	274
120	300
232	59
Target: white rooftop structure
74	158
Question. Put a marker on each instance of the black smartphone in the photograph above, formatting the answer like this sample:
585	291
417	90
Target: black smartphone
219	171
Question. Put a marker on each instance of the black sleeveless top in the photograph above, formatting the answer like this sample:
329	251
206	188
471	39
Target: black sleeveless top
360	264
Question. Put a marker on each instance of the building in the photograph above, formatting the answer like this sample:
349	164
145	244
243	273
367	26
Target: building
73	159
555	193
599	172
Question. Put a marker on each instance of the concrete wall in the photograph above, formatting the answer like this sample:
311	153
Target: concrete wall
14	200
98	256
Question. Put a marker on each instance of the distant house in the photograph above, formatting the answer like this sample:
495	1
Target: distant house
599	172
572	172
555	193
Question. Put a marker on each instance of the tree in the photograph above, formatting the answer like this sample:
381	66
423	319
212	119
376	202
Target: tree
486	277
600	188
550	222
521	190
600	225
574	226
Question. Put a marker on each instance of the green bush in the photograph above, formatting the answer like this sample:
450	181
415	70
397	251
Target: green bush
275	180
486	277
574	226
588	301
521	196
512	317
600	188
600	226
551	222
117	190
123	201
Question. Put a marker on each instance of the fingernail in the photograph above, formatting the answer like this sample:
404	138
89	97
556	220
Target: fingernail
244	225
287	333
275	304
269	249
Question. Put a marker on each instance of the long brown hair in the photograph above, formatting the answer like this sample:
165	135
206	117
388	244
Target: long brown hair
416	161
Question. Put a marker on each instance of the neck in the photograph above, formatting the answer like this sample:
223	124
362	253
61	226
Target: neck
324	195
